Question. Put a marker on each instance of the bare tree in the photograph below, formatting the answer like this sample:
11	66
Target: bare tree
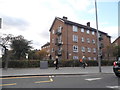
4	43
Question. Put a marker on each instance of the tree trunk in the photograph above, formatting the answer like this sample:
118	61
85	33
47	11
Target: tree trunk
6	59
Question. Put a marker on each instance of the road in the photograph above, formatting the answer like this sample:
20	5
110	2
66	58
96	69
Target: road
62	81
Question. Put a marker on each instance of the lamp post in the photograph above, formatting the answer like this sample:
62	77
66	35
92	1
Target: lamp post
98	46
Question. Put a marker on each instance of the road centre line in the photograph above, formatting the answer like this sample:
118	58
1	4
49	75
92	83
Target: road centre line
113	87
92	79
23	77
7	84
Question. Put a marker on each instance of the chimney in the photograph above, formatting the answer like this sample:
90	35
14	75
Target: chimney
88	24
64	17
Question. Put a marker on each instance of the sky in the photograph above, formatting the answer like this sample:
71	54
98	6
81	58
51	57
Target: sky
33	18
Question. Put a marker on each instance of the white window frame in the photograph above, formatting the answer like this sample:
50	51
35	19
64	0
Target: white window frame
53	31
89	58
93	32
75	28
89	49
88	40
94	58
94	50
52	49
88	31
75	57
75	38
60	39
83	49
93	41
82	29
82	39
60	29
53	41
75	48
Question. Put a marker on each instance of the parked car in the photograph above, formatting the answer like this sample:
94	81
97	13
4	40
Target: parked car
116	67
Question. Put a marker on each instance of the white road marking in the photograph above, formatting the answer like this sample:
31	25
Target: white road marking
113	87
50	80
52	76
92	79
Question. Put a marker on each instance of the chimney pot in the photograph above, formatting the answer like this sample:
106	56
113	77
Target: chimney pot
64	17
88	24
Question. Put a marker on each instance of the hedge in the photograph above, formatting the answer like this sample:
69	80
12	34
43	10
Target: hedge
62	63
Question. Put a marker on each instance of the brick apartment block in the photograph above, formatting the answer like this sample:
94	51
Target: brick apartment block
71	40
116	42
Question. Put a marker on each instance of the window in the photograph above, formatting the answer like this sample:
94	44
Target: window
88	40
60	29
75	57
93	32
88	31
83	49
82	29
53	32
75	38
89	58
52	40
52	58
75	28
89	49
94	50
75	48
82	39
93	41
60	39
52	49
94	58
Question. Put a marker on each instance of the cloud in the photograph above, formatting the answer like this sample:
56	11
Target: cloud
92	11
14	22
33	18
112	31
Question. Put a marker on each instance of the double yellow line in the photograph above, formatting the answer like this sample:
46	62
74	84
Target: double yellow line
50	80
7	84
22	77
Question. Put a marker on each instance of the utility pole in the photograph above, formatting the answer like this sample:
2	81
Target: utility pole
98	44
0	22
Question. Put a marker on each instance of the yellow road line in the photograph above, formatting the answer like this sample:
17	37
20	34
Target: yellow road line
42	81
23	77
7	84
50	80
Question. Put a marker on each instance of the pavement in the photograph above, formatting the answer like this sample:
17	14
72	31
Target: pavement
53	71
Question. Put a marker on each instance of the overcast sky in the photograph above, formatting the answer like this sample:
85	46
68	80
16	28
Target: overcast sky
33	18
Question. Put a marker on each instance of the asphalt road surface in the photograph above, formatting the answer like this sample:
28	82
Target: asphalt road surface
63	81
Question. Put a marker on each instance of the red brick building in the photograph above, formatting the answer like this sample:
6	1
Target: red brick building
71	40
46	47
116	42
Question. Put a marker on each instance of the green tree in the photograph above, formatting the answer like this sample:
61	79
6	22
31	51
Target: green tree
20	47
41	54
32	55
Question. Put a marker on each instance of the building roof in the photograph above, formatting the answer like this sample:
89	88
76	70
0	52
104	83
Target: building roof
47	44
76	24
116	39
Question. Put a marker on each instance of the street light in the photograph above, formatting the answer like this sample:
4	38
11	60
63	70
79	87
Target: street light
98	46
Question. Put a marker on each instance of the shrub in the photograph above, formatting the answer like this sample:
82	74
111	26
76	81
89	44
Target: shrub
62	63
